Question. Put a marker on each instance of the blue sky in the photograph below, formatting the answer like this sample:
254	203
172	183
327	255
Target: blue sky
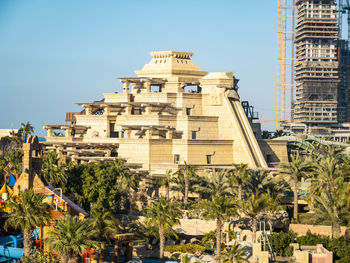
58	52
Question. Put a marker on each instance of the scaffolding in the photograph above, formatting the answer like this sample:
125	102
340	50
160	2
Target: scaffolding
285	43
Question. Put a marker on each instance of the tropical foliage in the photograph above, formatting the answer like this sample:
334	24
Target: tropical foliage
52	170
28	212
219	208
164	214
292	172
234	254
70	238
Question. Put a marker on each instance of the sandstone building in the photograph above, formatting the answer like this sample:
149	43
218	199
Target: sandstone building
171	113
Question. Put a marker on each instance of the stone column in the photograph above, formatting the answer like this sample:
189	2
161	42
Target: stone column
147	85
148	110
88	110
50	132
127	134
68	132
128	109
107	111
169	134
126	87
149	134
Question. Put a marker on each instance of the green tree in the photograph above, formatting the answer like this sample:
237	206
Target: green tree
104	224
219	208
328	188
238	178
70	238
252	207
165	181
279	133
164	214
39	256
52	171
292	173
188	172
14	157
234	254
26	129
27	214
215	183
266	135
273	200
99	186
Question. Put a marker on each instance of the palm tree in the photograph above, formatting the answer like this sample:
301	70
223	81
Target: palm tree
219	208
27	129
278	133
292	173
104	224
252	207
328	208
52	171
70	238
184	180
258	181
238	178
214	183
188	172
165	181
27	214
234	254
164	213
266	135
274	205
328	188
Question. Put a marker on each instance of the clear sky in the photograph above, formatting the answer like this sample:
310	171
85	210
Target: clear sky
58	52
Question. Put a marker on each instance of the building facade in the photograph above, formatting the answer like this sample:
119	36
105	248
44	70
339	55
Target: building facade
170	113
317	76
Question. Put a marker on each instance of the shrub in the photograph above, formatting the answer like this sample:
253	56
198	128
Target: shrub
39	256
209	238
313	239
188	248
280	243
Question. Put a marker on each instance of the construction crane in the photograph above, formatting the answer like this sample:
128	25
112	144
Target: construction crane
284	64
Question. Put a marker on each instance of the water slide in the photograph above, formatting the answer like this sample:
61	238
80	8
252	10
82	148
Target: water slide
9	246
9	250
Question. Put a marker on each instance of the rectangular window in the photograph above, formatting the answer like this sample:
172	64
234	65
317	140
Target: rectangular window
176	158
194	135
208	159
188	111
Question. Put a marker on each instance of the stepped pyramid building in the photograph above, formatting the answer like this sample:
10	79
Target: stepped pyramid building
171	113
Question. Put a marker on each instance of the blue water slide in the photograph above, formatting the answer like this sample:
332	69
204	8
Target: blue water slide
9	246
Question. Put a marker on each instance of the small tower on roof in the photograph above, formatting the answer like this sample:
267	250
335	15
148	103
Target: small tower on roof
175	67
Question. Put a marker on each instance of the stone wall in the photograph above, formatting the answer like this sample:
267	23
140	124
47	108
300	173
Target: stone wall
301	229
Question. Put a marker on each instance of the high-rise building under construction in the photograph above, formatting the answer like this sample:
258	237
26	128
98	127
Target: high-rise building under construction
317	75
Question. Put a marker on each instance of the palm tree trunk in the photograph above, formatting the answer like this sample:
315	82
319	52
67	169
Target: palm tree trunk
336	231
161	243
27	242
254	223
295	210
240	192
167	191
218	236
187	185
